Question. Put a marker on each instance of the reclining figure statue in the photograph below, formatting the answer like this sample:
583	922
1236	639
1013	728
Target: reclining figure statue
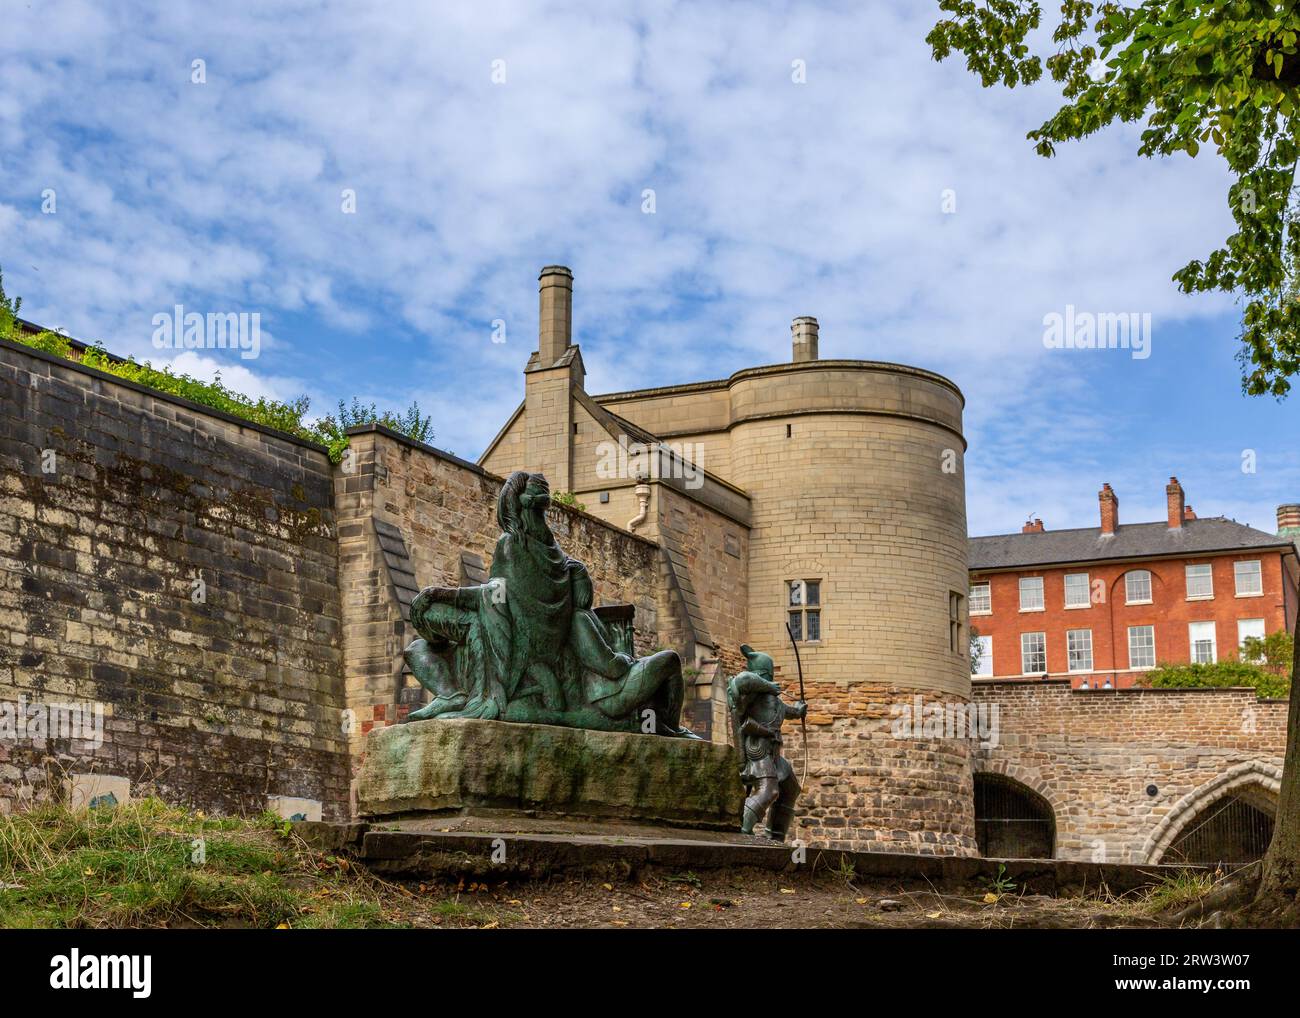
527	645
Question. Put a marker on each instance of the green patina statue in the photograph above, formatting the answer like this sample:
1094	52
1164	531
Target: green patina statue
528	646
758	713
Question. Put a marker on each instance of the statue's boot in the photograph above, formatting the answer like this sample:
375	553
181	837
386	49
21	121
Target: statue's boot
485	708
438	705
779	822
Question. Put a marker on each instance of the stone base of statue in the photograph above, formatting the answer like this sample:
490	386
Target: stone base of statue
459	766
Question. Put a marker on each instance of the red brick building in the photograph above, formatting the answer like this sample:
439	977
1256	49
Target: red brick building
1103	604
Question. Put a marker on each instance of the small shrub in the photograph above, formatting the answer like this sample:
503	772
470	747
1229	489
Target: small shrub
1219	674
567	498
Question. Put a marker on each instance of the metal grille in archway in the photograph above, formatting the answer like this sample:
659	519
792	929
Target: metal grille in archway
1011	820
1228	830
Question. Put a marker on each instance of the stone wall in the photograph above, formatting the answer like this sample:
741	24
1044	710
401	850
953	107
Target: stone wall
1092	755
879	780
178	568
444	509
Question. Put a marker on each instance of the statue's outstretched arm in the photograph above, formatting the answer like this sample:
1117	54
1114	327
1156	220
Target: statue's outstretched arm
464	598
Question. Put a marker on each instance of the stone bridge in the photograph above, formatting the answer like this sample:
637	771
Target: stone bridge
1130	775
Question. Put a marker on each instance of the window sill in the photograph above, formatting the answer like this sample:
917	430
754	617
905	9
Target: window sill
1200	597
1258	593
980	614
1077	607
1128	603
1027	611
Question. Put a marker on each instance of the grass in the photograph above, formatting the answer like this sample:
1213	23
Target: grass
1177	892
146	864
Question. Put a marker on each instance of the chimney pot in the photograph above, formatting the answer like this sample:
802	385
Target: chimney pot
1033	525
555	318
1174	503
803	332
1109	503
1288	519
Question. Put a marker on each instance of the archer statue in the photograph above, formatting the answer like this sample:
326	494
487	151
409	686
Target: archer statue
758	712
528	646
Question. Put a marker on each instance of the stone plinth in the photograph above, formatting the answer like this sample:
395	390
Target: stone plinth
467	765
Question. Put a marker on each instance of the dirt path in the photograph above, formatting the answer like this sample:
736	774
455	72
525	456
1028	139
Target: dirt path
745	898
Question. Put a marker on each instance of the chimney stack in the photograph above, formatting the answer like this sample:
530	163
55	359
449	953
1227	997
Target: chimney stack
1109	503
555	327
1174	503
1033	525
803	331
1288	521
1188	514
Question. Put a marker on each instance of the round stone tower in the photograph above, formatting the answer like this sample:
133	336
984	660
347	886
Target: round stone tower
858	540
827	494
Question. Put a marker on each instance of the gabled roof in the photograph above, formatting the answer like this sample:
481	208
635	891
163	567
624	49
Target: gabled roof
1130	541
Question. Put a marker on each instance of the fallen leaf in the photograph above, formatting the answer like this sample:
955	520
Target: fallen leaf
787	890
618	908
861	901
990	898
608	887
283	926
686	904
933	915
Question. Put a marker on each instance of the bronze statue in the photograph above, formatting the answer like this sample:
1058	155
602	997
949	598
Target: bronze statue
758	712
528	646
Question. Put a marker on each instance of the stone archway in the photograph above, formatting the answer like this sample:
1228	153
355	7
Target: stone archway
1253	782
1013	818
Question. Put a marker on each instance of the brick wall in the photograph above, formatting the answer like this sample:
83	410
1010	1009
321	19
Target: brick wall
179	568
1093	754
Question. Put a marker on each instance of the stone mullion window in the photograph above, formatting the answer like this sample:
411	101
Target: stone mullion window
804	610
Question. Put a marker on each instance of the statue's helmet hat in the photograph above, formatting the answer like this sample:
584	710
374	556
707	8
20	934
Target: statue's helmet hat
759	663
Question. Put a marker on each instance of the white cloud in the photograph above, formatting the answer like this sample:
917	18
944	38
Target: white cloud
774	199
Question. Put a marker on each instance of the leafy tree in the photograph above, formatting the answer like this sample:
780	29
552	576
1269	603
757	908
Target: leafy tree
1196	73
8	310
1273	653
974	650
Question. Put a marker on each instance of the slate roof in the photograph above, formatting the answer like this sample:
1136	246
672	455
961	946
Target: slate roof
1130	541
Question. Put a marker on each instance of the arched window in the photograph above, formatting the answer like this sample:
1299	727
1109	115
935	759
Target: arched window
1012	821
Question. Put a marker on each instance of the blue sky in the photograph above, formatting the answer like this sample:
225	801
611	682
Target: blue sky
772	199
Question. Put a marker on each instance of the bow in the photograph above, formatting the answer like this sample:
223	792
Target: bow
803	721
